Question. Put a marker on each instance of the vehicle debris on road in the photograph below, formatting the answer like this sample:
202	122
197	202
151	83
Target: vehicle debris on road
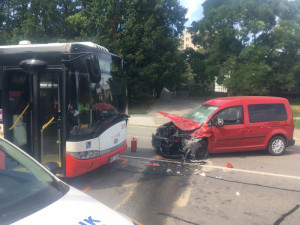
152	164
229	165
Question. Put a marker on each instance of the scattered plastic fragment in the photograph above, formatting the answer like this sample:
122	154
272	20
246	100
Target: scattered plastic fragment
238	193
154	164
169	170
220	178
202	174
178	172
229	165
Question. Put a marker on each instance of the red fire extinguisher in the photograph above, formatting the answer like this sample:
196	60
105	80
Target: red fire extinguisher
133	144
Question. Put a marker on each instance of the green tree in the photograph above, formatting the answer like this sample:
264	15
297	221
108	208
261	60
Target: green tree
144	33
255	44
39	21
198	68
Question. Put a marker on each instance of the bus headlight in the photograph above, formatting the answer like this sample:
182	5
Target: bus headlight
85	154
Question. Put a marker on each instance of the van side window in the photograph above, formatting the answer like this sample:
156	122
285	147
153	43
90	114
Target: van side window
230	116
266	113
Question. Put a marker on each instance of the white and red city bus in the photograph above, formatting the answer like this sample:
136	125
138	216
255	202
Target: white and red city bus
64	103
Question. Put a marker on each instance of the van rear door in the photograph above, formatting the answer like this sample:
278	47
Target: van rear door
263	119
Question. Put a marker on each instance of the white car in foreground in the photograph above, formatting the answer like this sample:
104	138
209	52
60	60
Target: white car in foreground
29	194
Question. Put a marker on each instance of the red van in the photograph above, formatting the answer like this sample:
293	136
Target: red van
228	124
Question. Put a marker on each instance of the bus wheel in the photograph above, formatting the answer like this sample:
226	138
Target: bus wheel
277	145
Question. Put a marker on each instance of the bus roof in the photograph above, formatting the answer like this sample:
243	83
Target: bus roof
53	45
52	53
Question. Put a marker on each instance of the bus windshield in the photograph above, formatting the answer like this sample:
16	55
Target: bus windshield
95	106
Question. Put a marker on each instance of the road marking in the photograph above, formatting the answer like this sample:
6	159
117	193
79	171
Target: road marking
136	222
137	136
251	171
127	197
150	159
159	157
221	168
124	160
85	190
184	198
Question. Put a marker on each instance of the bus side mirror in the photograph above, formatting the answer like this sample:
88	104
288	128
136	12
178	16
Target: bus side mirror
94	69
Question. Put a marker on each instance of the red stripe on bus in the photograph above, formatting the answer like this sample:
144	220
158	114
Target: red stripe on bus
76	167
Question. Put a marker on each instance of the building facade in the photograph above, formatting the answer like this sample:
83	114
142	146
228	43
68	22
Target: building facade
186	40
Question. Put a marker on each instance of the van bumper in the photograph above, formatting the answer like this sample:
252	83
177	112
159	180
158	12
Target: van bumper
290	142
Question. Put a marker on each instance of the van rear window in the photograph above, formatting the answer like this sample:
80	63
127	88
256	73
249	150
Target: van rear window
266	113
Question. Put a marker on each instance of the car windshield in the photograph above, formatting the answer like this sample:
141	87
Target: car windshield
201	113
25	187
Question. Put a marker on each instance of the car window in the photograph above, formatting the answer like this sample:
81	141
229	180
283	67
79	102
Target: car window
230	116
25	187
266	113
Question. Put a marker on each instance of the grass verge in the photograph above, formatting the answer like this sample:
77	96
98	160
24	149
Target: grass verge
297	123
296	113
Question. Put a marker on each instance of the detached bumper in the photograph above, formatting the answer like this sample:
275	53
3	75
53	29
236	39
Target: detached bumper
290	142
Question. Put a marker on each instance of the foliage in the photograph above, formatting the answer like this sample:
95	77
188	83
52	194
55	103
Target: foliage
143	32
297	124
39	21
252	46
196	63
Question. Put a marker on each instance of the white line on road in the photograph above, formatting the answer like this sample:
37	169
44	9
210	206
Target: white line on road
184	198
149	159
251	171
221	168
127	197
136	136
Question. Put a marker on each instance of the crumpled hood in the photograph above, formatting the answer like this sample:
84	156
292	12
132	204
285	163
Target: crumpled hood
181	122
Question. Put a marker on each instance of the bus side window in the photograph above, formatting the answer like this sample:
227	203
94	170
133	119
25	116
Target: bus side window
2	160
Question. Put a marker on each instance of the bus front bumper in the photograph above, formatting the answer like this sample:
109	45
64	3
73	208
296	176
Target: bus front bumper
76	167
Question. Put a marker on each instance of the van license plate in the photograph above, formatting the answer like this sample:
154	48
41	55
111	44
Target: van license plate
114	157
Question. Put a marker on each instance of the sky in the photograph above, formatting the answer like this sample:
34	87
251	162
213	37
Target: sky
195	10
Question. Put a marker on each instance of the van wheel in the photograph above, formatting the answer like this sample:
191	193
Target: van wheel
277	145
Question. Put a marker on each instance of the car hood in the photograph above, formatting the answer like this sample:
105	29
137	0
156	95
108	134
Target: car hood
181	122
76	208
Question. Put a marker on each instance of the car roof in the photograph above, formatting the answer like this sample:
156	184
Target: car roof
240	100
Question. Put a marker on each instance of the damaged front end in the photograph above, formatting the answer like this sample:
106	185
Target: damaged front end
177	139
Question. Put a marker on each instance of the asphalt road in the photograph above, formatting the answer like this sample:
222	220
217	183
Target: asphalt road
259	189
